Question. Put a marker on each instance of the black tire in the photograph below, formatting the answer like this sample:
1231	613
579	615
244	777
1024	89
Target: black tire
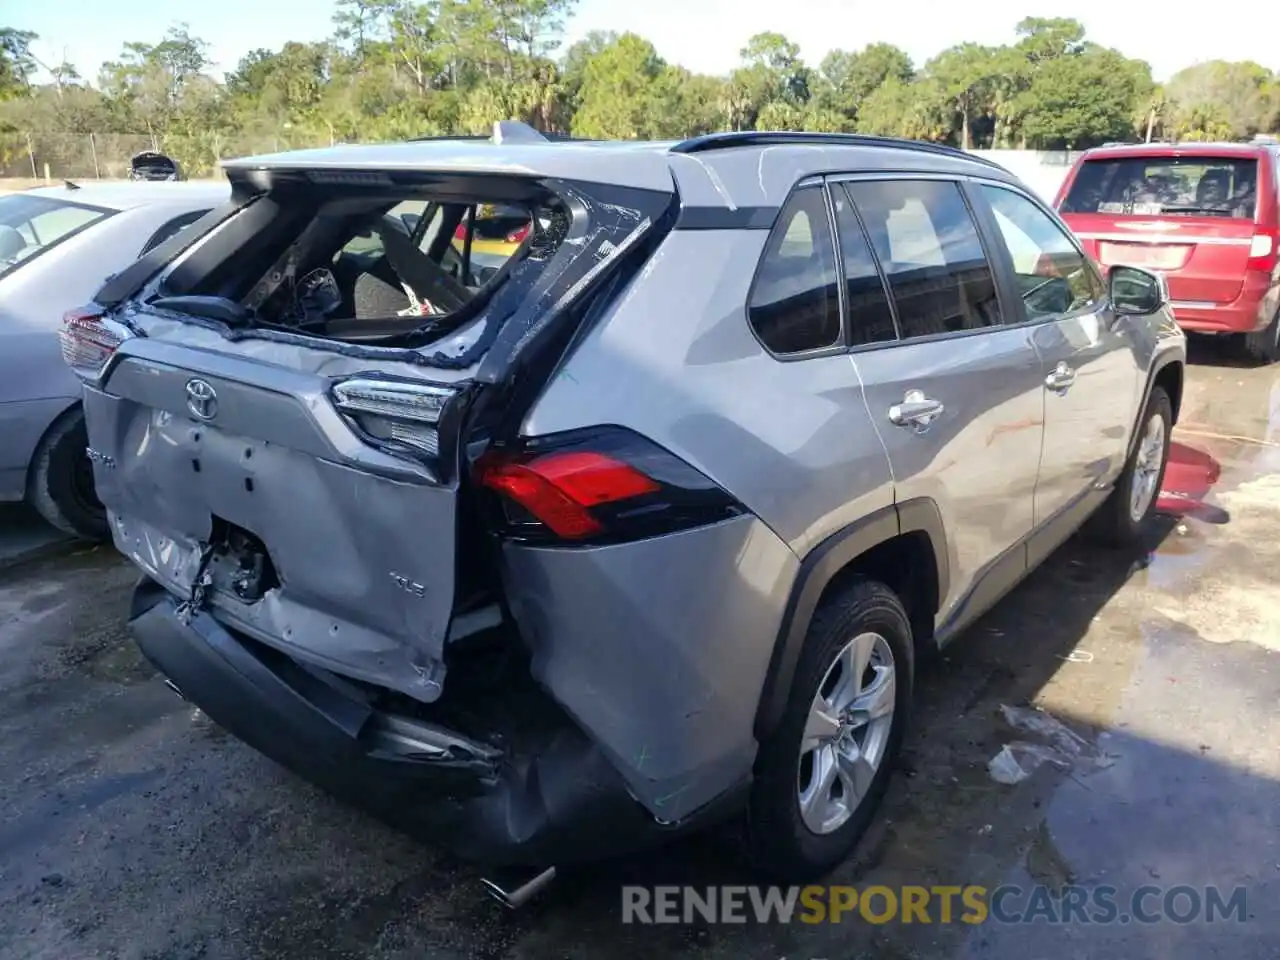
1263	346
1114	522
60	480
781	846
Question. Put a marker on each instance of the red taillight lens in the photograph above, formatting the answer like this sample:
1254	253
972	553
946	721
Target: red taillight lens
1263	250
604	484
88	340
461	232
517	236
560	488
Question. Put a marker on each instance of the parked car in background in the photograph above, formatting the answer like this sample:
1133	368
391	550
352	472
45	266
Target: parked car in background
646	528
1206	215
150	165
57	245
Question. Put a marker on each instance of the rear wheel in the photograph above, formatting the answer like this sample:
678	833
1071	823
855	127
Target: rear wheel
823	771
1263	346
1120	519
60	482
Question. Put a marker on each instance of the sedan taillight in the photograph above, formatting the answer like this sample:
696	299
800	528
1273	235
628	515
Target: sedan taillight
1263	252
88	340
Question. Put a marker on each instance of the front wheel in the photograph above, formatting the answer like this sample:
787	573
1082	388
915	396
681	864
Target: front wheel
823	771
1120	519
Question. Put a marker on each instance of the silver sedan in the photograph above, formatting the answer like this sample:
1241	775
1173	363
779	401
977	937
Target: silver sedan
57	245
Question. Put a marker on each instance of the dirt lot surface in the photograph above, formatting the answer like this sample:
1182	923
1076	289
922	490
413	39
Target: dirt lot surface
131	827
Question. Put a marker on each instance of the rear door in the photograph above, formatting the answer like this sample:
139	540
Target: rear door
1091	358
1190	216
958	397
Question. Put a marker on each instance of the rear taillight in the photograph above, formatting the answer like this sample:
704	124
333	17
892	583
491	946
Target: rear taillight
517	236
88	340
400	415
602	485
1262	251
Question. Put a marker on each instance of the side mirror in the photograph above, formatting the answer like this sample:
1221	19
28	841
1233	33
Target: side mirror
1134	290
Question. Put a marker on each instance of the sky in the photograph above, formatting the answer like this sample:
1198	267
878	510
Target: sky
702	35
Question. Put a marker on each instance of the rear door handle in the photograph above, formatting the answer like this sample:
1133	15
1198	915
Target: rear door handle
916	411
1061	379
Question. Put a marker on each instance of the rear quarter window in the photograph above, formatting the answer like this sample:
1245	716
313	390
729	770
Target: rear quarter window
795	302
1197	186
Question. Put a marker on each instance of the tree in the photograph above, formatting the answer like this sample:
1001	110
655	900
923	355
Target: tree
918	110
404	68
845	80
574	64
1238	97
1085	98
963	75
16	62
1047	38
617	90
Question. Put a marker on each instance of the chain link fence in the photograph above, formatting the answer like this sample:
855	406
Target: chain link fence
106	156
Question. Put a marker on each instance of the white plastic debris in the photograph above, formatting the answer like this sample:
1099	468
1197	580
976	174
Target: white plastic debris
1078	656
1064	748
1016	761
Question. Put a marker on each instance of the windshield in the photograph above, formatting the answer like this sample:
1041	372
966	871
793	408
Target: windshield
29	225
1201	186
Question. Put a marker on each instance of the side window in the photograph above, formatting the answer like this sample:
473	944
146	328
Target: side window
794	303
929	250
1053	276
170	229
870	317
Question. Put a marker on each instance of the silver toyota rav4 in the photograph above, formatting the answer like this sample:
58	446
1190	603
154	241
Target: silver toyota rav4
555	531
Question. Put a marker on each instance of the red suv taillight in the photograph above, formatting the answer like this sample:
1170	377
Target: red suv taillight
88	340
1263	250
518	235
604	484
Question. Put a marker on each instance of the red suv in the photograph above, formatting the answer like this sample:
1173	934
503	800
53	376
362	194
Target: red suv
1204	214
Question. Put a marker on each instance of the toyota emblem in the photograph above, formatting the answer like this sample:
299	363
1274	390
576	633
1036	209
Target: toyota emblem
202	399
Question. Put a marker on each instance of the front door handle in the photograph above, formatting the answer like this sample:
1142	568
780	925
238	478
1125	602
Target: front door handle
916	411
1061	379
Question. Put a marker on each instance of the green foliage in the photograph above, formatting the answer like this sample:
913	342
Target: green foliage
395	69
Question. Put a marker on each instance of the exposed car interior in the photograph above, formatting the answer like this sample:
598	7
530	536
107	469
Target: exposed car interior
367	269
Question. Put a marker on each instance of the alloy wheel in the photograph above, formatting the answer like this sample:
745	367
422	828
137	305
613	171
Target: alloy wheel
847	732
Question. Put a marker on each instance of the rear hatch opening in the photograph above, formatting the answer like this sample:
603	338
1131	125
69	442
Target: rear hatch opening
373	265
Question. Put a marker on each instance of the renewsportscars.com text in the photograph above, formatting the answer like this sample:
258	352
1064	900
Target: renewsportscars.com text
936	904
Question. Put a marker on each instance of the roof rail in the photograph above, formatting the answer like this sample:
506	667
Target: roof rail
753	138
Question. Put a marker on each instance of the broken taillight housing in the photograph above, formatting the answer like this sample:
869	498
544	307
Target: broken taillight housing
88	340
395	413
606	484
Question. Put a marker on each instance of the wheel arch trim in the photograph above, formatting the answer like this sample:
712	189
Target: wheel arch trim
819	567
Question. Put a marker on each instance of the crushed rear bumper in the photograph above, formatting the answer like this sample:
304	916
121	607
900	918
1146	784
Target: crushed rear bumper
527	799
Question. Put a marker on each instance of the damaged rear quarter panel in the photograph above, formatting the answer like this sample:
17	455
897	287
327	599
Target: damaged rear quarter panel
658	649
